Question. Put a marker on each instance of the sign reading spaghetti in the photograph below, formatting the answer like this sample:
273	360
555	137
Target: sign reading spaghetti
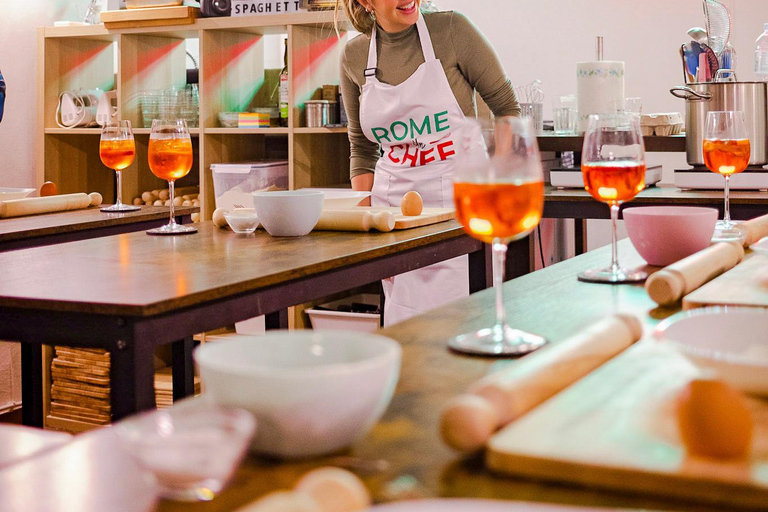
254	7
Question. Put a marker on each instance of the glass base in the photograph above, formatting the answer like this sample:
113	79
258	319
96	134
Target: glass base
495	341
120	208
204	491
172	229
608	275
727	232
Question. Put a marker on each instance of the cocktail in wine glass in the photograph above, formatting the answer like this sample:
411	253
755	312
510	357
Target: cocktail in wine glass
117	150
170	158
613	168
499	194
726	152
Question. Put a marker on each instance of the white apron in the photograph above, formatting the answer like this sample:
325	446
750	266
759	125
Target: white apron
414	122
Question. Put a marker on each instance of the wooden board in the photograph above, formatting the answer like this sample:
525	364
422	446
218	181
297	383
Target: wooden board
616	429
149	17
746	284
428	216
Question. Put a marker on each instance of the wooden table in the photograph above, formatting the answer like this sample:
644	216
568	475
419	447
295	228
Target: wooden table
550	302
131	292
69	226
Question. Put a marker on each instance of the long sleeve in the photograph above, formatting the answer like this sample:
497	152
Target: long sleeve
363	153
480	65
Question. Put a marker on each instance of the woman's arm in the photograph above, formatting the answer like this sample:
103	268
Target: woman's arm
480	65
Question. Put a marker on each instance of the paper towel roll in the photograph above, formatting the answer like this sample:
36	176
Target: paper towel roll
599	88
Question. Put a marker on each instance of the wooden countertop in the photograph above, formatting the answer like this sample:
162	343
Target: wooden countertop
139	275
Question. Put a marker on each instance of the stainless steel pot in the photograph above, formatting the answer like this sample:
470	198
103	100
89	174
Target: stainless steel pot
748	97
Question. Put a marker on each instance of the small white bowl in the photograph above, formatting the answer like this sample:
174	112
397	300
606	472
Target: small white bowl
288	212
8	193
312	393
340	198
242	220
729	340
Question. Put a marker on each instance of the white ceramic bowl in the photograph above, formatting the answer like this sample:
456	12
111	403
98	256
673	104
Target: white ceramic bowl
731	341
311	393
663	235
8	193
340	198
288	212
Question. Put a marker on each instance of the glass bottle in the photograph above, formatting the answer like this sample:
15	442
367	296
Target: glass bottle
284	89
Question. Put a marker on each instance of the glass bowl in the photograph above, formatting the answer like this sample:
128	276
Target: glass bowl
242	220
191	450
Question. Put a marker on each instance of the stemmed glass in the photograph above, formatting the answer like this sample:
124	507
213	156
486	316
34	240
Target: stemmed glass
117	150
170	158
613	168
726	152
499	194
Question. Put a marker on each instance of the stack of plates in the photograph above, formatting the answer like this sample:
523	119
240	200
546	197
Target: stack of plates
80	387
164	387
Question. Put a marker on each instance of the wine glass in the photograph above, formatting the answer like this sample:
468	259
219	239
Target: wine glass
613	169
726	152
117	150
498	188
170	158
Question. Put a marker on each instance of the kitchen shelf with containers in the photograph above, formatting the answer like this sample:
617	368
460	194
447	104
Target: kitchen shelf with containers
145	68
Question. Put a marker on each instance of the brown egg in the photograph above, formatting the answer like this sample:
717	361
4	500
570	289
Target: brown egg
283	501
335	490
714	419
49	188
411	204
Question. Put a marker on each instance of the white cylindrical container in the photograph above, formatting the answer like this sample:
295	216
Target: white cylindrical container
599	88
319	112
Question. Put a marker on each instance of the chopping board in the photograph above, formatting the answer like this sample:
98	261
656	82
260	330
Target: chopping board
616	429
746	284
149	17
428	215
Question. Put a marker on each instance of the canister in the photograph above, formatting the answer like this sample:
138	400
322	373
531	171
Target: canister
319	112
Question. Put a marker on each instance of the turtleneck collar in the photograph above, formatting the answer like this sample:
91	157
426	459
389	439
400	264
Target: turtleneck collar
394	37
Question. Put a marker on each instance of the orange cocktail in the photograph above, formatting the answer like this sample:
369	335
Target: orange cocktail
726	157
170	159
613	182
508	211
117	154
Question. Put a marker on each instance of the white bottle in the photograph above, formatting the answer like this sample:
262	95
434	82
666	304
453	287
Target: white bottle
761	55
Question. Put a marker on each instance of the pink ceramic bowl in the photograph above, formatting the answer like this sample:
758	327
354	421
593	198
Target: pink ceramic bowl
665	234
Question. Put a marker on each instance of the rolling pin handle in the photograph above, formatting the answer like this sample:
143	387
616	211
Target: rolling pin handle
383	221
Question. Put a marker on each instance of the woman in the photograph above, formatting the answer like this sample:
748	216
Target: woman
407	83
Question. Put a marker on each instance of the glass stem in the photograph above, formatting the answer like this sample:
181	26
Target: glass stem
170	196
118	200
499	257
614	241
727	213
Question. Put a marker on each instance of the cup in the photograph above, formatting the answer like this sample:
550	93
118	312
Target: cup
633	105
564	112
536	112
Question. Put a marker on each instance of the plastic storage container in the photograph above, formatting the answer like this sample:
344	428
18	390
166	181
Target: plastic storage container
761	55
233	183
329	317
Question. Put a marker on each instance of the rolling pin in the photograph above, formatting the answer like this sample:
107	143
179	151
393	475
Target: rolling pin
355	220
754	229
469	420
672	283
59	203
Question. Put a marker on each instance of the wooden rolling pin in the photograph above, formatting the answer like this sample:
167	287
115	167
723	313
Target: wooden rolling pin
353	220
754	229
59	203
672	283
469	420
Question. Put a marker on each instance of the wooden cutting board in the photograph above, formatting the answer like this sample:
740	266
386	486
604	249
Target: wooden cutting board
428	216
149	17
616	429
746	284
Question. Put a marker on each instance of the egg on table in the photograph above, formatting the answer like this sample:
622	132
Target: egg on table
412	204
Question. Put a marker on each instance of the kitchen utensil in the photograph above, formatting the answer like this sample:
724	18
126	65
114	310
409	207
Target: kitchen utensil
691	52
747	97
312	393
617	429
669	285
712	62
351	220
697	34
754	229
288	212
699	334
746	284
665	234
687	77
59	203
718	24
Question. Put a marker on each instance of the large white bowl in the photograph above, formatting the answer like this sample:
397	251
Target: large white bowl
288	212
340	198
731	341
8	193
311	393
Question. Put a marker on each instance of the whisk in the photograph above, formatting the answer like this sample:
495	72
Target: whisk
718	24
530	92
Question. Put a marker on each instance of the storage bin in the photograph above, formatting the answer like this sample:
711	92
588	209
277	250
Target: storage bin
330	318
233	183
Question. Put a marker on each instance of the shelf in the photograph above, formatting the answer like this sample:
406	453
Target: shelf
339	129
246	131
193	132
672	143
73	131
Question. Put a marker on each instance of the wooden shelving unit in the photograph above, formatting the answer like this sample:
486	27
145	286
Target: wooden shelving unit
233	77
